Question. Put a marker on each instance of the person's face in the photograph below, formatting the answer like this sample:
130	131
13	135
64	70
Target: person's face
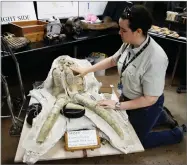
127	35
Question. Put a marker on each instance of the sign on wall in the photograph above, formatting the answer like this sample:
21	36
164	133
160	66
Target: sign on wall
17	11
47	10
58	9
96	8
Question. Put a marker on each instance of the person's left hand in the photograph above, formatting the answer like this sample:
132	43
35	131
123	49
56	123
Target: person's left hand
108	104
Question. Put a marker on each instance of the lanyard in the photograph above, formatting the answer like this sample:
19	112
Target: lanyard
134	57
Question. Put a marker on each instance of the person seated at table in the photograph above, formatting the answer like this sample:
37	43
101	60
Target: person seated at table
142	65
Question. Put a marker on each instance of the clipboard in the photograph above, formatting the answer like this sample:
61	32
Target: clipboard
82	139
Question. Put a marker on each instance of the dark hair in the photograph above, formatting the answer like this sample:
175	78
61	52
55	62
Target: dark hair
139	17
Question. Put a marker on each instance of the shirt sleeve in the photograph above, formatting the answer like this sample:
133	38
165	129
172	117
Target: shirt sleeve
115	57
154	78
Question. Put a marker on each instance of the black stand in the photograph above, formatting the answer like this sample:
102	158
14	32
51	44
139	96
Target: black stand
17	123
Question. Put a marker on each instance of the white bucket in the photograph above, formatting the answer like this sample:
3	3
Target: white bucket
101	72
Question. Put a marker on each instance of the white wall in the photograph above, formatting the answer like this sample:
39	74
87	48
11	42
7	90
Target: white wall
69	9
21	11
17	11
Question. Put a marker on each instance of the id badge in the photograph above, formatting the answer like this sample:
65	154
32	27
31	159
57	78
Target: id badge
120	88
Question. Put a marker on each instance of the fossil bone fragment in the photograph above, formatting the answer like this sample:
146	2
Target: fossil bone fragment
103	113
52	117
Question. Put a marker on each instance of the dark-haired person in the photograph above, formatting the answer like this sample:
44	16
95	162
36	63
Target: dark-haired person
142	65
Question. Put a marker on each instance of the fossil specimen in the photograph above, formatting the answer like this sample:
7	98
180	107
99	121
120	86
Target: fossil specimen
52	117
61	87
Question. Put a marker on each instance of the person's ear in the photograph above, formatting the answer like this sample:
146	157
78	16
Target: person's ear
139	31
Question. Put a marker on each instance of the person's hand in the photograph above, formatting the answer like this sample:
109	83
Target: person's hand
108	104
79	70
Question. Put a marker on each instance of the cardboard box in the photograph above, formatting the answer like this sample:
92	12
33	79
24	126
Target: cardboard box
32	30
106	82
105	89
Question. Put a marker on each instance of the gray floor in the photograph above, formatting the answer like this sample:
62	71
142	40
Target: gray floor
167	155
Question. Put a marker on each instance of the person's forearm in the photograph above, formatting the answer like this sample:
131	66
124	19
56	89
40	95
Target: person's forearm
143	101
104	64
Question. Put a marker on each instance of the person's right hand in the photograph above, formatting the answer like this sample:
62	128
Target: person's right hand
79	70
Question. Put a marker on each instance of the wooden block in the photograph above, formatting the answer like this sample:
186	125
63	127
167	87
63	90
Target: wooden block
35	37
33	30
